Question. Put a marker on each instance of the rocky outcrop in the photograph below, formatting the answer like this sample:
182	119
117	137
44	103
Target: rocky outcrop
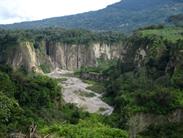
51	55
141	121
25	56
140	57
72	57
107	51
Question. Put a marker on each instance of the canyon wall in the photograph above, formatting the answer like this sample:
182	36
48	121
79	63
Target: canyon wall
46	56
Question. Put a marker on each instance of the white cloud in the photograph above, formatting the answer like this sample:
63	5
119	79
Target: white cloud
22	10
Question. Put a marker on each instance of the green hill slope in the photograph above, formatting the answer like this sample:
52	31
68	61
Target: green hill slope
125	16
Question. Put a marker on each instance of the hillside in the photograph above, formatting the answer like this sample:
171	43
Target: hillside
176	19
143	83
145	86
124	16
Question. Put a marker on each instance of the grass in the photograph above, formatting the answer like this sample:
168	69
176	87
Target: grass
97	87
169	33
45	68
102	66
91	127
102	109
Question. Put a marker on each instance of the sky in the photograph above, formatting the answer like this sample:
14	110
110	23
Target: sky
12	11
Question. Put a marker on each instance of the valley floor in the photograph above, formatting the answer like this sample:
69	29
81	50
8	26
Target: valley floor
75	91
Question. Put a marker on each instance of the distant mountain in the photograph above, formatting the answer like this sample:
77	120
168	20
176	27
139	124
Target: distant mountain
176	20
125	16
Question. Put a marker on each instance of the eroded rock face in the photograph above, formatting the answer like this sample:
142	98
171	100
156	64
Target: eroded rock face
141	121
140	57
58	55
106	51
25	56
71	57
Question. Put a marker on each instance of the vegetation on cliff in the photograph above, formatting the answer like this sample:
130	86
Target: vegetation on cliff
30	98
65	36
91	127
148	78
22	97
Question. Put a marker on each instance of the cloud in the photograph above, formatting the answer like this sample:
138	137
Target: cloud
23	10
9	12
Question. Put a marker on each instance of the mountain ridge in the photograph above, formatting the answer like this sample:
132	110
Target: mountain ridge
125	16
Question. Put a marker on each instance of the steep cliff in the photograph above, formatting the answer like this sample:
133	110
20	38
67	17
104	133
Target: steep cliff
74	56
46	49
146	87
24	55
51	55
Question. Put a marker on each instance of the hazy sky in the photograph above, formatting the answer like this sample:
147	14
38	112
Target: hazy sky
24	10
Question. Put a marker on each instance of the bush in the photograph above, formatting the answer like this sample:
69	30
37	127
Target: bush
6	85
9	109
88	128
37	91
169	130
160	101
177	78
10	113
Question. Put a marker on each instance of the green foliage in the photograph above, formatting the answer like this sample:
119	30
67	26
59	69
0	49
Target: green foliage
169	130
95	86
9	110
37	91
22	97
152	84
6	85
72	114
102	66
88	128
167	33
160	101
123	16
74	36
32	98
45	68
177	78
